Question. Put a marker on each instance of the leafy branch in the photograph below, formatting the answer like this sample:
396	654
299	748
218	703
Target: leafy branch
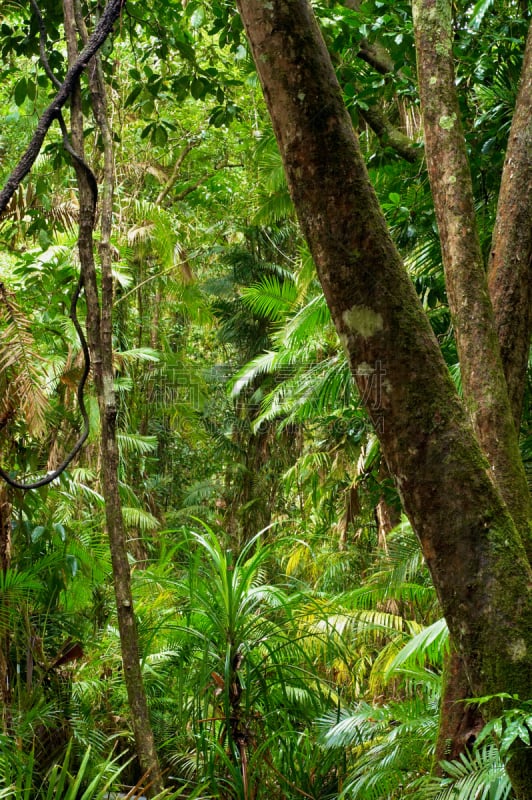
107	20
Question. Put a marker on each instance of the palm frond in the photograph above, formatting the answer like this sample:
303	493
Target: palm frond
139	518
426	646
271	298
136	443
480	775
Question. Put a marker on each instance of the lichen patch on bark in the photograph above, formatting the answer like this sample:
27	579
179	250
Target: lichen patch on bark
447	123
363	320
517	650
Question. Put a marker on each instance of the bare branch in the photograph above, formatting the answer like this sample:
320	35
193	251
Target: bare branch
390	136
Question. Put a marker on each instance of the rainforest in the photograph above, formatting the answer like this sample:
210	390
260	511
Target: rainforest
265	381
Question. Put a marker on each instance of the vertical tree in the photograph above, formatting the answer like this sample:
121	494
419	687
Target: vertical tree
99	322
474	543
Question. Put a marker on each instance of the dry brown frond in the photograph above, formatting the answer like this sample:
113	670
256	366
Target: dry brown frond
22	380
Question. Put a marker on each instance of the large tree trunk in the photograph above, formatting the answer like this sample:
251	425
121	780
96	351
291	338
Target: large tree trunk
471	545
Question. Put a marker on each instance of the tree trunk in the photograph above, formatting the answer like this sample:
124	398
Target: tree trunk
460	722
475	554
483	380
99	330
510	267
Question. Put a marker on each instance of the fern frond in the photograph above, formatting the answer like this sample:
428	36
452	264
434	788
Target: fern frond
18	359
480	775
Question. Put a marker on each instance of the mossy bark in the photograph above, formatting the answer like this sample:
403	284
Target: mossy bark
510	266
483	379
469	540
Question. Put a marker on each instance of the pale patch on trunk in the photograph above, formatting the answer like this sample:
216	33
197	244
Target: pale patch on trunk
363	320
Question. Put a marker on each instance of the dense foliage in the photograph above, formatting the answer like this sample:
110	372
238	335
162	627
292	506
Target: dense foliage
291	642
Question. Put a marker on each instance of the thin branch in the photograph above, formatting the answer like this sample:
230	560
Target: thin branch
204	178
390	136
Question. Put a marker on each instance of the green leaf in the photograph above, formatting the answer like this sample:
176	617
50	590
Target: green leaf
198	17
159	136
31	90
147	130
21	91
132	96
478	13
198	88
37	533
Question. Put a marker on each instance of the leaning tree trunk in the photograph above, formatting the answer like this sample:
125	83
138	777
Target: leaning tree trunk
484	383
471	545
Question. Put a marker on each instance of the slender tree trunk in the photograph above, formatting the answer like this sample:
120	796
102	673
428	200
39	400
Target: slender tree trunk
483	380
5	563
471	545
510	267
99	329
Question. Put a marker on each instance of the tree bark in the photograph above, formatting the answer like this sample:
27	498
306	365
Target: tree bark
483	380
475	554
460	722
510	266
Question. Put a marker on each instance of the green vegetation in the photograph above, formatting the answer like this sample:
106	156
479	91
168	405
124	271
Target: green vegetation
290	638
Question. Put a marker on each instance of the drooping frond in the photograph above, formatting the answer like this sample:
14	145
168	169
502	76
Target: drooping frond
139	518
273	201
309	322
136	444
426	646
